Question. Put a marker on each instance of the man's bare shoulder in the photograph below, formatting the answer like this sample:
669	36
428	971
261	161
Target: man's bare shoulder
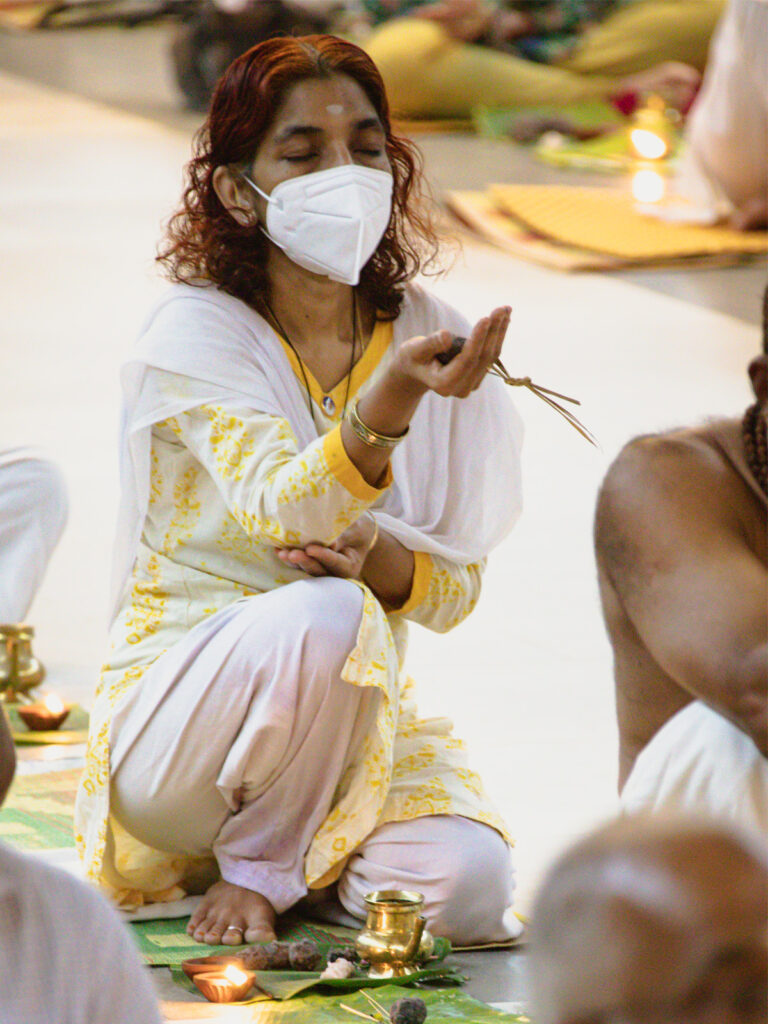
668	488
655	471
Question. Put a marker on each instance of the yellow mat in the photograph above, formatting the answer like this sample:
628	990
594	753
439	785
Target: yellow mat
476	211
596	220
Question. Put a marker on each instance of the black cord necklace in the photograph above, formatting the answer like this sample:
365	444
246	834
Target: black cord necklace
292	347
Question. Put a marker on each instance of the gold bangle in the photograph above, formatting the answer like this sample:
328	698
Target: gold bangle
371	437
375	537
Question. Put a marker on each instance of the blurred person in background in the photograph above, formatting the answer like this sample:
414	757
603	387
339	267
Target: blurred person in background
33	513
724	167
218	31
681	538
653	922
65	956
443	58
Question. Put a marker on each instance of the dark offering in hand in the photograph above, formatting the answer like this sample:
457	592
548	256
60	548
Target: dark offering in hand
408	1010
499	370
457	344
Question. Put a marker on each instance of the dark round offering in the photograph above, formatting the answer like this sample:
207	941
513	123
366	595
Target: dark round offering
305	956
346	953
409	1010
270	956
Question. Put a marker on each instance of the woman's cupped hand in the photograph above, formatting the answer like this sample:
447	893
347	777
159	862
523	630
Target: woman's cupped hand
344	557
416	360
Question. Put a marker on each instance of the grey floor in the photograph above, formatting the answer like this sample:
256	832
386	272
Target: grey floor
83	187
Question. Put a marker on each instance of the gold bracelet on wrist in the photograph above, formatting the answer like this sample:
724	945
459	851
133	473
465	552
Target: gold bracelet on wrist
371	437
375	536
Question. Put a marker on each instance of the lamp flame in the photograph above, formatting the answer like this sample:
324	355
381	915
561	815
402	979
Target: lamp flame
647	144
53	703
235	975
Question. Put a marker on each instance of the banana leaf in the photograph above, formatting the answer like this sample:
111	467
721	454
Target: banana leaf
444	1007
283	985
287	984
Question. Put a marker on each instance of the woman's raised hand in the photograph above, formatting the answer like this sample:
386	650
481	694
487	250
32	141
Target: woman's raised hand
416	360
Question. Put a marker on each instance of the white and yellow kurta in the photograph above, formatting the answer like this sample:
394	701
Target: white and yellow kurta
228	486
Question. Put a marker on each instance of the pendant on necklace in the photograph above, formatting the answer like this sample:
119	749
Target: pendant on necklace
329	406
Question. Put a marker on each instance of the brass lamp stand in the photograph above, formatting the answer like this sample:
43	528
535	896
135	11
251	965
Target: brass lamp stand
20	670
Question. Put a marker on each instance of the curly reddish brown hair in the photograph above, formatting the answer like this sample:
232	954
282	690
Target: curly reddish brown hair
204	243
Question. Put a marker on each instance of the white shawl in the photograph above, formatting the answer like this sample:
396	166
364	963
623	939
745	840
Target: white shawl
456	489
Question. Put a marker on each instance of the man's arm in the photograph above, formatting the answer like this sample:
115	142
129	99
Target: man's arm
670	539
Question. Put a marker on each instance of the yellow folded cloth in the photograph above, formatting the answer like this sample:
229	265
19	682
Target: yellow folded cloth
606	222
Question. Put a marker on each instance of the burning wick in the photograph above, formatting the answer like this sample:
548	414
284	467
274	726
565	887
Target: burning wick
53	703
235	975
648	145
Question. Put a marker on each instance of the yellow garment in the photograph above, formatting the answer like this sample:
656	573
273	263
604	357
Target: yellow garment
228	486
428	74
606	222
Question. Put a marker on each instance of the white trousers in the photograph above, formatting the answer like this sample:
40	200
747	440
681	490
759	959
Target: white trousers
236	740
33	513
700	763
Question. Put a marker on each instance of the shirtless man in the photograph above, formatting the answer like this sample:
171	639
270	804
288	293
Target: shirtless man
650	922
682	554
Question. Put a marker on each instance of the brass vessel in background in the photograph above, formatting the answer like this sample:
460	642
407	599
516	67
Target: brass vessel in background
394	938
20	671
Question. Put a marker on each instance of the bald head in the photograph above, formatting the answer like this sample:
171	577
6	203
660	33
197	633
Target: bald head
649	921
7	756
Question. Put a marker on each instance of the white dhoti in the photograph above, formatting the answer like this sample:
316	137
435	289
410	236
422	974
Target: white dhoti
237	743
700	763
33	513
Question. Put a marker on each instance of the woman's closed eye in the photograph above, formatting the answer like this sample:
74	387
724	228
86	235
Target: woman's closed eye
297	158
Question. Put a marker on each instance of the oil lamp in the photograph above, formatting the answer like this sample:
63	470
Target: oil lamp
227	985
48	713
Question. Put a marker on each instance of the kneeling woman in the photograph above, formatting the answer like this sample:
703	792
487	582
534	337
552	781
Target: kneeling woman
301	476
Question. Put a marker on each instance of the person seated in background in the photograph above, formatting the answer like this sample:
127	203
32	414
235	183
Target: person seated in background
652	922
682	555
443	58
725	164
65	956
33	513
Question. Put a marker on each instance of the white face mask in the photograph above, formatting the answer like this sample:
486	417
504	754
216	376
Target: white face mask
331	221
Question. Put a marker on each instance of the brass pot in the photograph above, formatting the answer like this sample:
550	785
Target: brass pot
20	671
394	937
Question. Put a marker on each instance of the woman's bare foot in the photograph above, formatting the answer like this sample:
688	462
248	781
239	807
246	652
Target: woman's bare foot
232	915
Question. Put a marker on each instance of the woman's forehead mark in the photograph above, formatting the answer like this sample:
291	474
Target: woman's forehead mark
335	108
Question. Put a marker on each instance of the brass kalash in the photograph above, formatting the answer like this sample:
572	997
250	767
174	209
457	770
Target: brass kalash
394	940
20	671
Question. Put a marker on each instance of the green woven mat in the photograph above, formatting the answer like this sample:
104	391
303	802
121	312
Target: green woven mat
37	814
166	943
74	729
498	122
